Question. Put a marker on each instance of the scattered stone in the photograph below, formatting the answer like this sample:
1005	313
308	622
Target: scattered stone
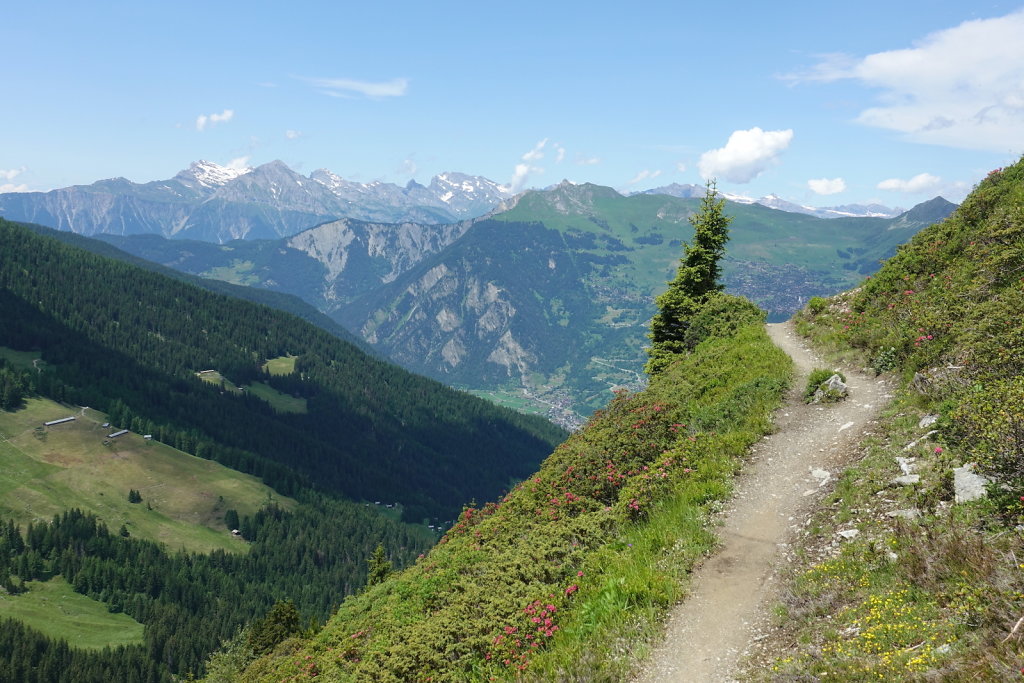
909	513
822	476
943	649
907	465
927	421
847	425
968	484
849	533
892	556
907	480
918	440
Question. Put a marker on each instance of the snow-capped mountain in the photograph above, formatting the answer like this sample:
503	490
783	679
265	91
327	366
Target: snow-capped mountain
216	203
774	201
209	174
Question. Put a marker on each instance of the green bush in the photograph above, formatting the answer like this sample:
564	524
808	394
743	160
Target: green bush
721	316
817	304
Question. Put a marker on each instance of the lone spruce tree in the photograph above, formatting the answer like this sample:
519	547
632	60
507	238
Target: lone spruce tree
696	279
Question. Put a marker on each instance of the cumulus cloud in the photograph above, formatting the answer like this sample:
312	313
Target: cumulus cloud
348	87
537	153
959	87
524	170
826	185
643	175
292	134
922	182
746	154
11	174
204	120
238	163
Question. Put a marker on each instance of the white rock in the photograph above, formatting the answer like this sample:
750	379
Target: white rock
907	480
927	421
850	533
967	484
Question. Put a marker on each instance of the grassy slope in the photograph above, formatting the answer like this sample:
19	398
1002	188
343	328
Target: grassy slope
43	472
599	542
936	597
53	608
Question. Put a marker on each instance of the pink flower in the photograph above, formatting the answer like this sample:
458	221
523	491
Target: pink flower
938	449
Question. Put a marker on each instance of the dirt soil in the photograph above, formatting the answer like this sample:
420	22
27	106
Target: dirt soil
728	608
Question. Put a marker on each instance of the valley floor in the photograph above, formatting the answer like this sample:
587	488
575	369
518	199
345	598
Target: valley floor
733	590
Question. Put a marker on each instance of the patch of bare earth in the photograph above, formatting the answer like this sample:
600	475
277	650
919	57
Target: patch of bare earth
728	608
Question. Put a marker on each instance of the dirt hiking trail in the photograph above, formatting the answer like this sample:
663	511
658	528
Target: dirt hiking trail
732	591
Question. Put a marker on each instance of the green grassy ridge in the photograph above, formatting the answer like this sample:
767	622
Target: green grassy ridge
46	471
56	610
934	597
602	536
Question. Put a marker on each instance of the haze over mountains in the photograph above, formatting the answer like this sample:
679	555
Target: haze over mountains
216	203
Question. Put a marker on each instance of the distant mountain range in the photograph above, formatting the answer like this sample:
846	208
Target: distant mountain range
774	201
217	204
546	301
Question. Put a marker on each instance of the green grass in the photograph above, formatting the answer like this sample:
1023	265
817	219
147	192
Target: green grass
22	360
239	272
44	471
53	608
282	365
214	377
281	402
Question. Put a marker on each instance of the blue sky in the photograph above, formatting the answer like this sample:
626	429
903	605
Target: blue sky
821	103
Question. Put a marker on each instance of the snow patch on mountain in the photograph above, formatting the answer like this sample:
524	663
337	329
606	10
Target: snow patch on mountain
211	175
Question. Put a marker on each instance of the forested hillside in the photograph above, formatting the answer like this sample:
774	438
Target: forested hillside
562	576
930	588
130	342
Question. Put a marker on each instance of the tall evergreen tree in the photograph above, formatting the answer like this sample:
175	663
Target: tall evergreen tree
379	566
696	279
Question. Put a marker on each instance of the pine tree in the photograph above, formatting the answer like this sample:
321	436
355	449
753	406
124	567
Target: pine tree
696	279
380	566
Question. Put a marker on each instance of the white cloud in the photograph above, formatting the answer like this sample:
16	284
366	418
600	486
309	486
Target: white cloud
922	182
521	175
348	87
408	167
210	119
559	154
959	87
681	167
11	174
746	155
239	163
645	174
292	134
537	153
11	187
587	161
826	185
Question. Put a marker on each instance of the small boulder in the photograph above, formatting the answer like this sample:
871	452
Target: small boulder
927	421
909	513
907	480
832	389
968	484
849	533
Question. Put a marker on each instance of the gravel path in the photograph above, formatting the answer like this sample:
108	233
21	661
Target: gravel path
732	591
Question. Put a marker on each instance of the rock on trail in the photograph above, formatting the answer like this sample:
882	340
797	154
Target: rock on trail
733	590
